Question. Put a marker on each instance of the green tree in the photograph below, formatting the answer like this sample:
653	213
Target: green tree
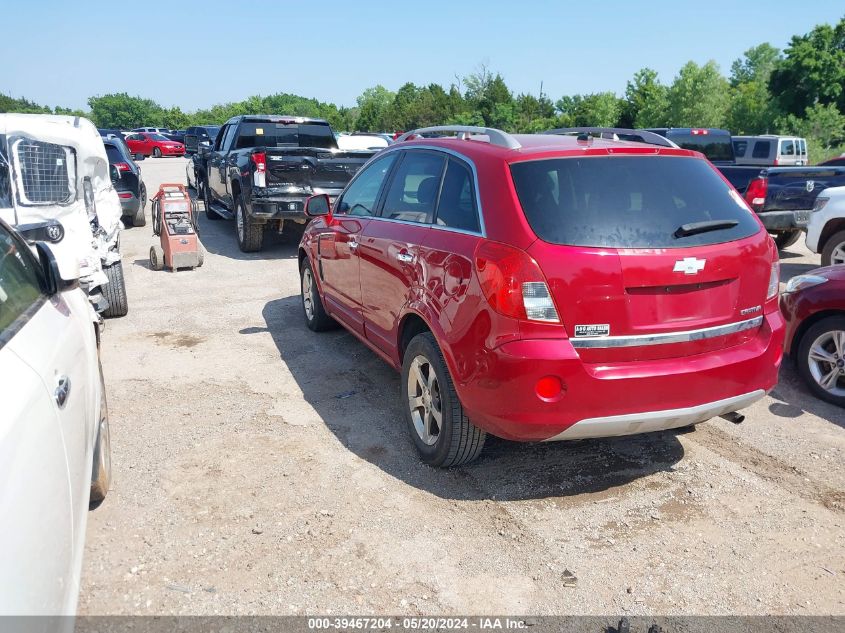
490	96
10	104
646	100
121	111
699	97
813	70
822	125
756	64
603	109
372	107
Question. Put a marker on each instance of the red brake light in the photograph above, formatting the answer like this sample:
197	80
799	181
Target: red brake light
260	160
697	132
513	283
122	166
755	195
124	194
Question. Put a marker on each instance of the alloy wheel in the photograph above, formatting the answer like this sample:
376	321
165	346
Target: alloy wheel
827	362
424	400
239	219
307	297
838	254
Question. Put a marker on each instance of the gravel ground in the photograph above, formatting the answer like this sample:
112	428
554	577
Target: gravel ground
260	468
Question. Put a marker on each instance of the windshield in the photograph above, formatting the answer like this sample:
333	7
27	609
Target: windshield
211	131
716	147
628	202
268	134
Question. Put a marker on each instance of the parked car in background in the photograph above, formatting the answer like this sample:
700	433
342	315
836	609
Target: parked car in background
514	289
784	198
263	167
152	130
198	134
826	230
814	307
838	161
157	145
109	132
361	141
175	135
130	187
769	150
55	459
387	137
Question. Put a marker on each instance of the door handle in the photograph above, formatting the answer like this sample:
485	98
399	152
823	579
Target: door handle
62	391
353	244
405	258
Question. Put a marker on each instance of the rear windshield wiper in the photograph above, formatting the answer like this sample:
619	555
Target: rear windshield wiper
694	228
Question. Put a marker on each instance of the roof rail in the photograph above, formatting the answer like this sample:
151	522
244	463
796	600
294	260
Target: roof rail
497	137
618	134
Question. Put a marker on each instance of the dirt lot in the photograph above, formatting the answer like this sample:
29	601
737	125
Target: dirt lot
262	468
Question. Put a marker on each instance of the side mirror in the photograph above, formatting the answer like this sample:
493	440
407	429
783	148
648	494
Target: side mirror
204	147
318	205
114	172
54	280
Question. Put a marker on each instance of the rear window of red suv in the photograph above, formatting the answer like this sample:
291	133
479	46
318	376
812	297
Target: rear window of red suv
630	202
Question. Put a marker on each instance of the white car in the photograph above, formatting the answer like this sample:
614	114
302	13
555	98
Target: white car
826	230
54	433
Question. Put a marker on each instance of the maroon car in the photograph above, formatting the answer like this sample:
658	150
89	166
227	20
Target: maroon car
814	307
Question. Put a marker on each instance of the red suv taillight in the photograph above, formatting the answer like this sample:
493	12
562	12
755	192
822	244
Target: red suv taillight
122	166
513	283
755	195
259	176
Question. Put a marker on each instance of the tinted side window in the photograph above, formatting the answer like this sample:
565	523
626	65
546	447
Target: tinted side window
227	138
362	194
19	280
457	207
113	153
762	149
412	194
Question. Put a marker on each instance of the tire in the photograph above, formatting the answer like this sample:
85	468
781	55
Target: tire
821	352
249	233
156	257
155	213
101	469
457	441
785	239
115	292
140	219
834	250
210	213
315	314
156	152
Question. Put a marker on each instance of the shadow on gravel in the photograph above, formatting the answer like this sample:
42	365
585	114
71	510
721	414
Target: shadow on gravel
357	397
794	398
218	237
788	271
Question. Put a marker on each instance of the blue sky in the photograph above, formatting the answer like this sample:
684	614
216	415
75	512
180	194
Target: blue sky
196	54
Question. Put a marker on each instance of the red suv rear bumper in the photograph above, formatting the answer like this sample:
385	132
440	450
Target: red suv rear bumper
601	400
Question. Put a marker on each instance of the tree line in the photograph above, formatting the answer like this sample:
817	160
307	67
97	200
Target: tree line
800	90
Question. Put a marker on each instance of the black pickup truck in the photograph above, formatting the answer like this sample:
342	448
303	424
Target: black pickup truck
261	169
782	197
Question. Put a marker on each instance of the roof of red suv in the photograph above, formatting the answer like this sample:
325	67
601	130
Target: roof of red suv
544	146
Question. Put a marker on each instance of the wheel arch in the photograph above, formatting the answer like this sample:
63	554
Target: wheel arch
830	229
807	323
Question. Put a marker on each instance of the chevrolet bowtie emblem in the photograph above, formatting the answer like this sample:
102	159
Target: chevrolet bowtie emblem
689	265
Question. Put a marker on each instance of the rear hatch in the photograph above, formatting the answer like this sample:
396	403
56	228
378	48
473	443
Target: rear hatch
645	245
301	154
796	188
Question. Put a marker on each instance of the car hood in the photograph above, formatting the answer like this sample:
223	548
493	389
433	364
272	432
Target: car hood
834	273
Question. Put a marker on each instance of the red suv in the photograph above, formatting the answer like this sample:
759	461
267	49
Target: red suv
547	287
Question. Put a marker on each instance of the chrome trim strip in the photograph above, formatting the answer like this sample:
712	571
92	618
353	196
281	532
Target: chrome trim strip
664	338
648	421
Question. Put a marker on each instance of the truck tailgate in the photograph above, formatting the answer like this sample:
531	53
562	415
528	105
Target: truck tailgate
796	188
313	167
